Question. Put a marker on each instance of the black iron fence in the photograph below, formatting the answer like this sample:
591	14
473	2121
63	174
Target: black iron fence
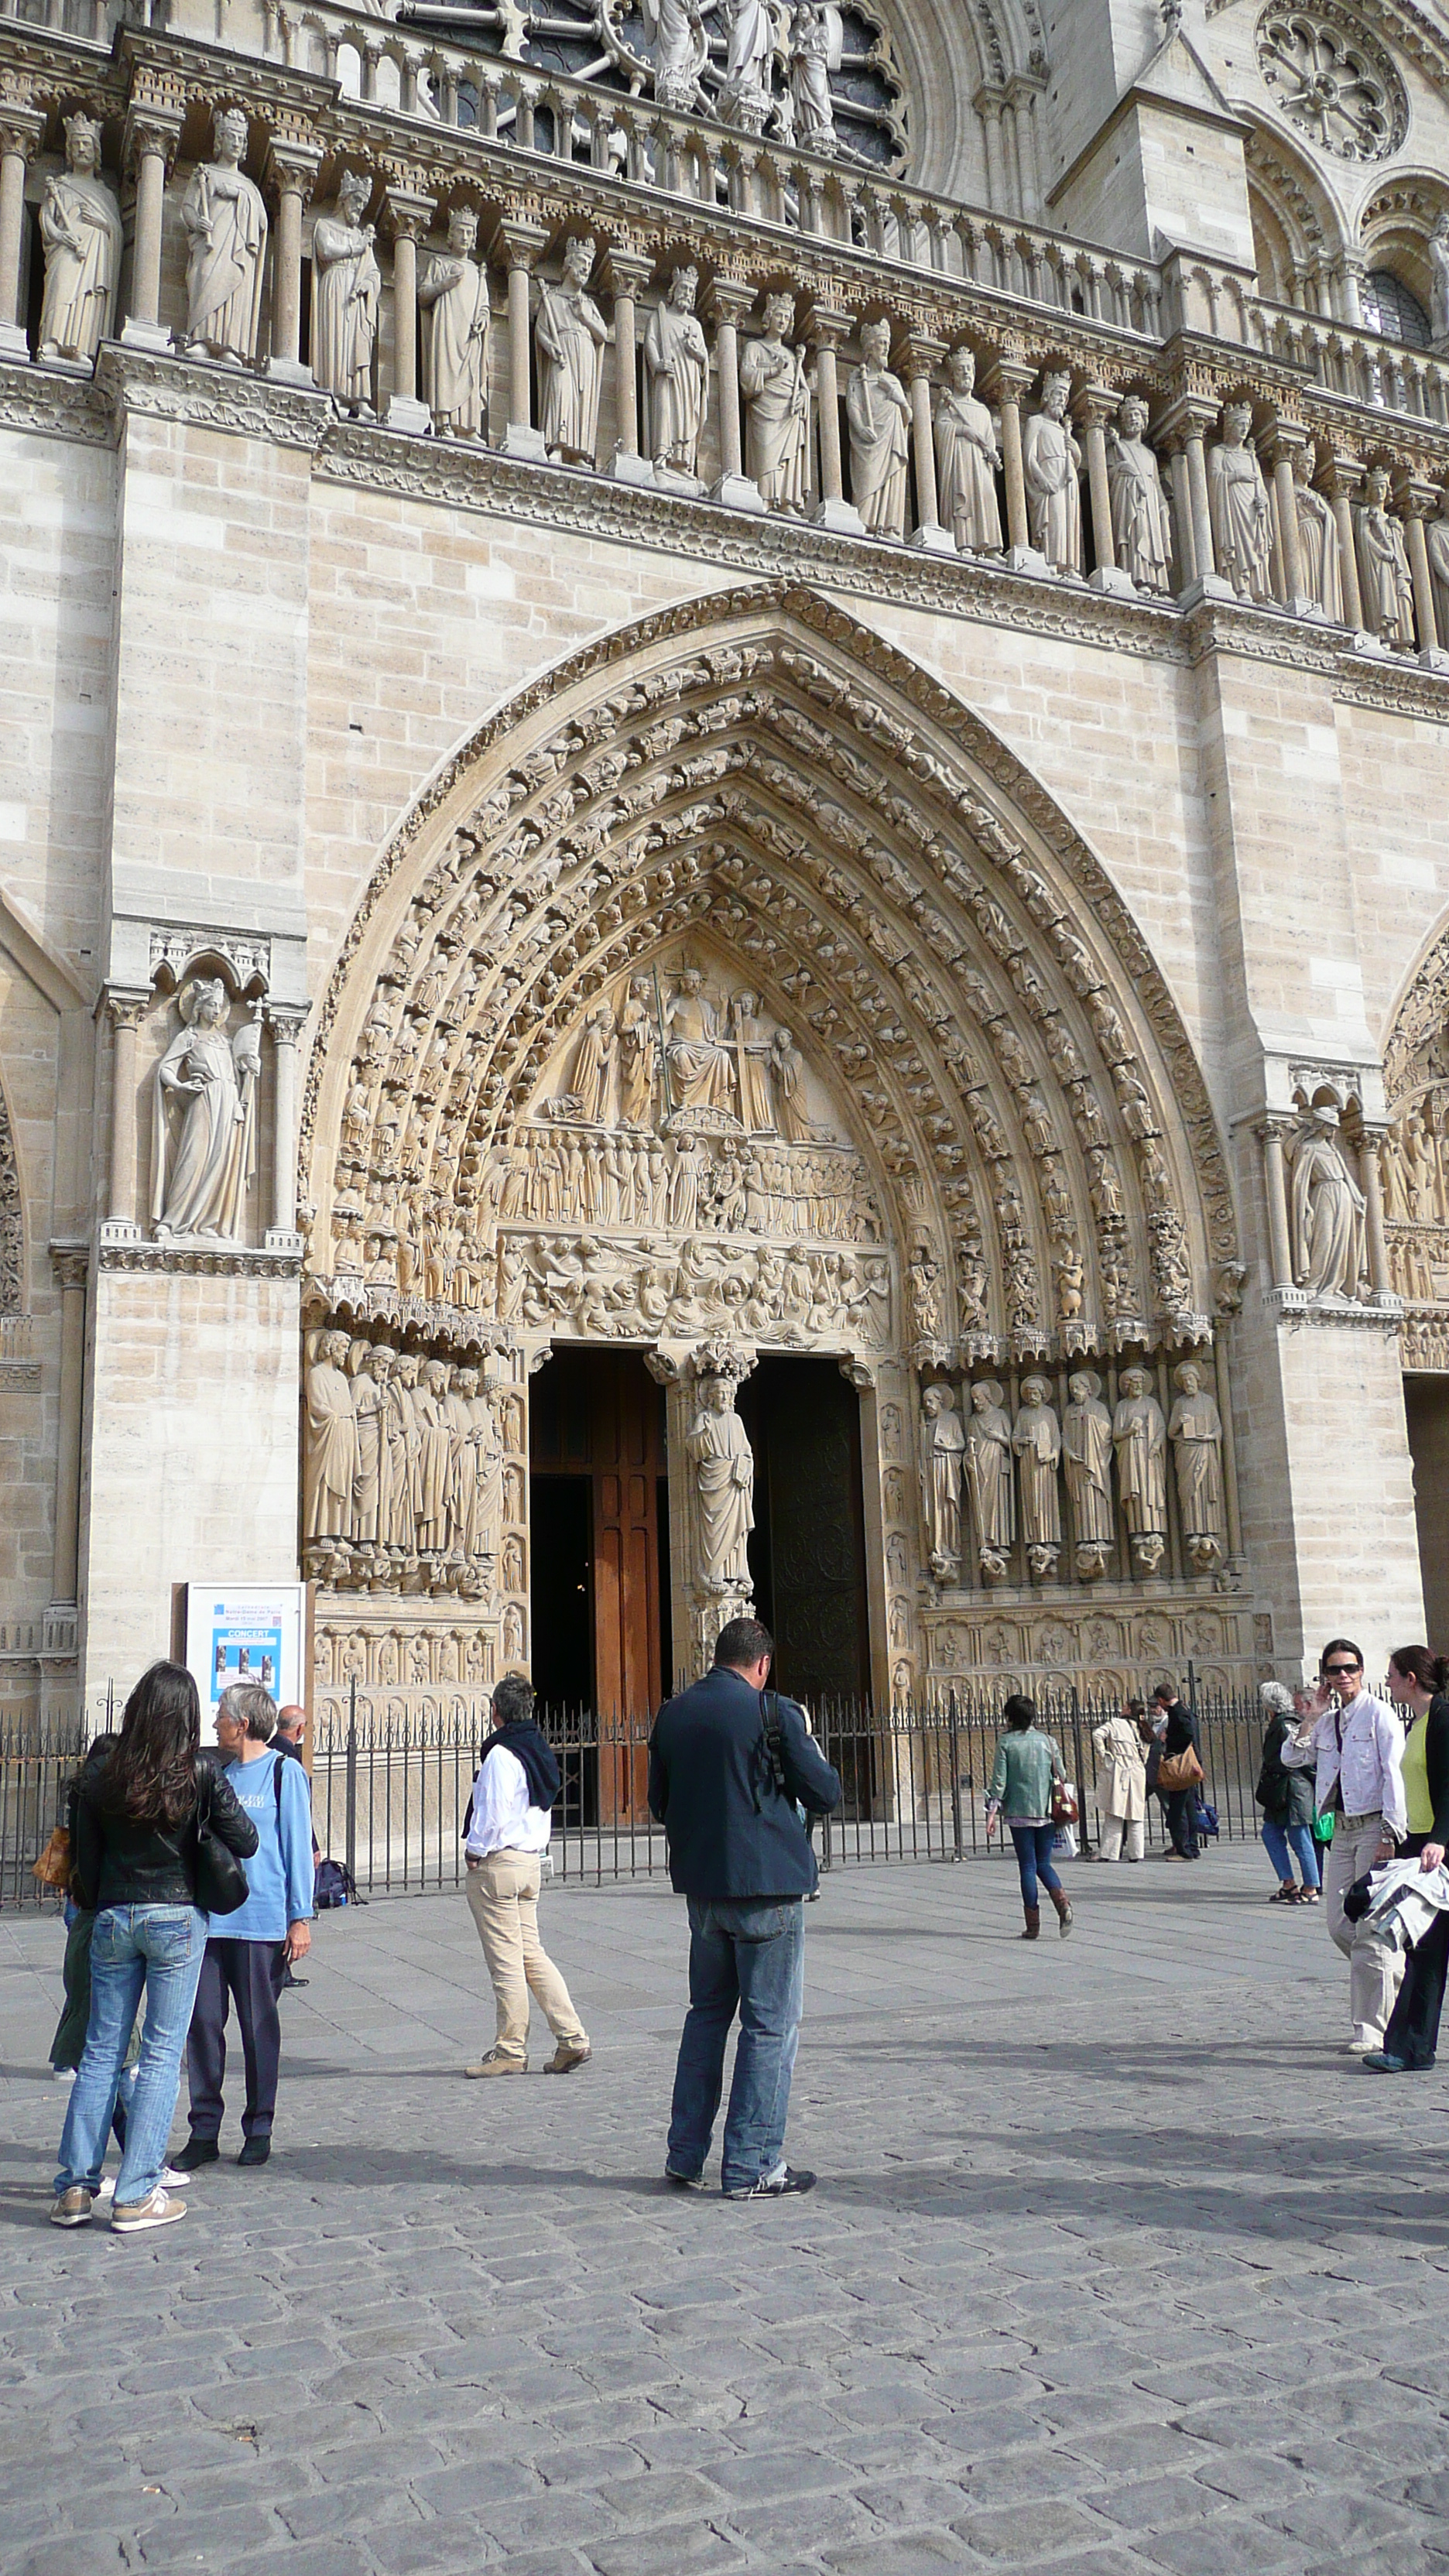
392	1770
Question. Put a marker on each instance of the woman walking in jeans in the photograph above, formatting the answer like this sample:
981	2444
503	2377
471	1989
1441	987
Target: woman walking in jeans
1286	1798
135	1869
1027	1762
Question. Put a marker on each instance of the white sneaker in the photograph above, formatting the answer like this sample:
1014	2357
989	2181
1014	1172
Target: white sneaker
171	2180
158	2211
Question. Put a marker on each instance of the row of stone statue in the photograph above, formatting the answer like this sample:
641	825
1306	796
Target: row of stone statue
987	1456
618	1182
800	111
1415	1160
405	1474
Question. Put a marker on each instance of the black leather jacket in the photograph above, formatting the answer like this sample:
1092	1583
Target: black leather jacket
116	1862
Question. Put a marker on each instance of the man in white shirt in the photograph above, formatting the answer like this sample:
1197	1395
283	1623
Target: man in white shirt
506	1834
1356	1745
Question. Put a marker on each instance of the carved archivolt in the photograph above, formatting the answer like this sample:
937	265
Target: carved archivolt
12	1222
758	784
1414	1160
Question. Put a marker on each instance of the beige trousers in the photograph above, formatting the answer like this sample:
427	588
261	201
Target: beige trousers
502	1894
1373	1971
1112	1830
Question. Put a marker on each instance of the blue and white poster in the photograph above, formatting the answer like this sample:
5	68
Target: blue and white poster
246	1632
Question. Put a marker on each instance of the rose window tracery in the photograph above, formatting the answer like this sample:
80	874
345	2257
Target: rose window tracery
1334	82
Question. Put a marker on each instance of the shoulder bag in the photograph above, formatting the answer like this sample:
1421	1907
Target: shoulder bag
1064	1808
1179	1770
53	1867
221	1879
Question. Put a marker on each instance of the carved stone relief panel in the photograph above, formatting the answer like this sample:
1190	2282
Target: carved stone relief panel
1121	1644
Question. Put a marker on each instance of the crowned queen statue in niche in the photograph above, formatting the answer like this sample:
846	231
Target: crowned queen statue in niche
204	1125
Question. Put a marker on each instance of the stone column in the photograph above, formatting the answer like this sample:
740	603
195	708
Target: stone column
127	1010
1093	410
1418	502
292	169
22	129
730	300
1182	510
286	1028
408	214
626	272
923	355
987	104
1380	1274
825	331
150	149
1280	1252
1022	93
1004	383
519	245
1280	448
1229	1453
1197	495
70	1262
1344	476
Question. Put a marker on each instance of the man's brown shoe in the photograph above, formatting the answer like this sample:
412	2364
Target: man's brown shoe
71	2208
568	2054
493	2064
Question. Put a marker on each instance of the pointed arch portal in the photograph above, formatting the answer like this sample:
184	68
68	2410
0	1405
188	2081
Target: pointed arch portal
734	991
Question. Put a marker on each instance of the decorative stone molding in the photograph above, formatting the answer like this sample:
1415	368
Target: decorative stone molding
119	1248
17	1368
177	948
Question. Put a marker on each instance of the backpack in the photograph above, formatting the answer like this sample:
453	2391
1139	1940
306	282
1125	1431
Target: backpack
335	1885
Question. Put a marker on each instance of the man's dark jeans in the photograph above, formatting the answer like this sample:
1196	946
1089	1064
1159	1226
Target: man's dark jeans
1182	1821
747	1958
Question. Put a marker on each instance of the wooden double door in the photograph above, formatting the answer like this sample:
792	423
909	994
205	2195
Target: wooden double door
599	1571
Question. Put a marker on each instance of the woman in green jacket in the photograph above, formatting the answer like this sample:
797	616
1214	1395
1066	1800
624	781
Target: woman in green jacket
1027	1762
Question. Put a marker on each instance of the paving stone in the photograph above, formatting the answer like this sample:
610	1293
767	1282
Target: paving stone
1000	2335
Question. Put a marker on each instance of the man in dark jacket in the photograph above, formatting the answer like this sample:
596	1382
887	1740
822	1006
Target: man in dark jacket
728	1765
1180	1805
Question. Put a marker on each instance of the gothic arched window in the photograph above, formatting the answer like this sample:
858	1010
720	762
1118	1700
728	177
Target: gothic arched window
1389	308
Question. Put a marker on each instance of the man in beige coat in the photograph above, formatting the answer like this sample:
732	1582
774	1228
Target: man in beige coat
1121	1785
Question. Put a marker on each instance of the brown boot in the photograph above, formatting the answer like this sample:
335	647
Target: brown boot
1033	1922
1064	1911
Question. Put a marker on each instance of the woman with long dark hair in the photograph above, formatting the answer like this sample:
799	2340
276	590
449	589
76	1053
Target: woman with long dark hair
134	1868
1417	1680
1027	1763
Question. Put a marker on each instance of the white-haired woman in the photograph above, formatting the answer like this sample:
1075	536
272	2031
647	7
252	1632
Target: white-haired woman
1286	1798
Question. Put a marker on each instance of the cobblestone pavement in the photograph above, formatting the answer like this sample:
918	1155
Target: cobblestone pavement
1117	2264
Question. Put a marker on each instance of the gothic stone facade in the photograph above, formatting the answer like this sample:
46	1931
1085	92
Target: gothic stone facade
577	779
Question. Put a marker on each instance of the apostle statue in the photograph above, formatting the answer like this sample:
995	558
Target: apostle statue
347	285
777	409
988	1474
878	411
752	1052
724	1479
638	1054
675	30
1328	1212
593	1066
1385	584
1052	462
701	1070
1195	1429
453	292
744	93
787	1065
677	362
371	1498
330	1465
1436	538
1439	281
1238	502
815	45
1139	1435
226	223
80	229
1038	1444
202	1163
967	459
1317	540
1087	1456
570	336
943	1450
404	1442
1141	526
463	1499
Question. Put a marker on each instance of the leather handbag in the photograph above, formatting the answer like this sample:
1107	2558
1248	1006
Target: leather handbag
53	1867
1179	1770
221	1880
1064	1807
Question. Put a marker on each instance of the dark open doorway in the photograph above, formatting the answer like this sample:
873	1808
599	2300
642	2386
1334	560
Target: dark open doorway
807	1552
600	1566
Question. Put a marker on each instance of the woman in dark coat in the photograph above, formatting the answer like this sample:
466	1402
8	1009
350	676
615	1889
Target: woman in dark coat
1286	1798
1417	1680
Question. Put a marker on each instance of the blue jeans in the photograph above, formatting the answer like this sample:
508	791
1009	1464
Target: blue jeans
1277	1842
750	1959
1034	1859
158	1950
